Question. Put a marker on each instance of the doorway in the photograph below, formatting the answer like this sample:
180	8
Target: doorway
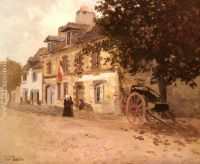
79	93
50	95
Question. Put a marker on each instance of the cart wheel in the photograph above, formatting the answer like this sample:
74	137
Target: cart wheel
135	108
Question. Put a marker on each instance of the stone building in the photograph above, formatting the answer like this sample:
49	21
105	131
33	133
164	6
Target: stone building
32	79
3	83
87	77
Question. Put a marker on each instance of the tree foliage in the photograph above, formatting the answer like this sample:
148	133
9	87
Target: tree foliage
163	32
13	75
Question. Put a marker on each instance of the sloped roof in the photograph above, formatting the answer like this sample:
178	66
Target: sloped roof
54	38
37	66
42	51
94	34
33	66
35	62
75	26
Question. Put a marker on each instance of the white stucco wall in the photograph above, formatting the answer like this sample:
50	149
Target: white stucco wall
110	80
110	102
29	84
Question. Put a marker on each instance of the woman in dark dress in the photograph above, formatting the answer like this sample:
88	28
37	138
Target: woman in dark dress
68	106
71	112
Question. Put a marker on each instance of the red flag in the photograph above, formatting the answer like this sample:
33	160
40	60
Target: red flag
60	72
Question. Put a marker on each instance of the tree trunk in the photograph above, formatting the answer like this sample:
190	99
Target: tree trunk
162	90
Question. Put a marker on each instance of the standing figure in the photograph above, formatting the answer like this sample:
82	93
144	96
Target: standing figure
81	104
71	112
68	106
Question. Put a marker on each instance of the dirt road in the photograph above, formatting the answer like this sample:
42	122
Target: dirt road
30	138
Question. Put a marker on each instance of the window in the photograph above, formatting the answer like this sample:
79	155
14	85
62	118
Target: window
65	64
34	76
65	88
50	46
49	68
68	38
24	77
78	63
25	95
99	93
59	91
95	61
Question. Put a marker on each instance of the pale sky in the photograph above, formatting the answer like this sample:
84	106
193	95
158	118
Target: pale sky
26	23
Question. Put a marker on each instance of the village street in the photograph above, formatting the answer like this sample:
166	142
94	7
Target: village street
36	138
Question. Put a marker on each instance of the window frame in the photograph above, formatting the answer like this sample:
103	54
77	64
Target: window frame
68	37
99	88
65	64
59	91
34	76
49	67
24	76
96	61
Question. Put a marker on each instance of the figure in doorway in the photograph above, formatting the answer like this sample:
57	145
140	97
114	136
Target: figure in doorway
68	106
81	104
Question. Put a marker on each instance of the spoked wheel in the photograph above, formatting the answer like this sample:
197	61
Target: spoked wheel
135	108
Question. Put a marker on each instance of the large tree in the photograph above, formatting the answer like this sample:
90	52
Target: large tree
13	75
163	32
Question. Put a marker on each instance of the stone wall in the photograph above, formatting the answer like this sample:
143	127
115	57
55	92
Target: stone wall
184	100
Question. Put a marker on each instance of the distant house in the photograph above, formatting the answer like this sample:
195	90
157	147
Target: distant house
32	79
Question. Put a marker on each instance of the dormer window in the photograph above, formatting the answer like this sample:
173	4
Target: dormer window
50	46
68	38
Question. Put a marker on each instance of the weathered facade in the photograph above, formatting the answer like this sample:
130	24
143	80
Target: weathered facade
87	77
32	79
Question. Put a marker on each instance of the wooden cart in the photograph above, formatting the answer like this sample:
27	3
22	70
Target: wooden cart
143	105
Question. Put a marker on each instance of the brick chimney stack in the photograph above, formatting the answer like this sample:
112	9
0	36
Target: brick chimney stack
85	15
